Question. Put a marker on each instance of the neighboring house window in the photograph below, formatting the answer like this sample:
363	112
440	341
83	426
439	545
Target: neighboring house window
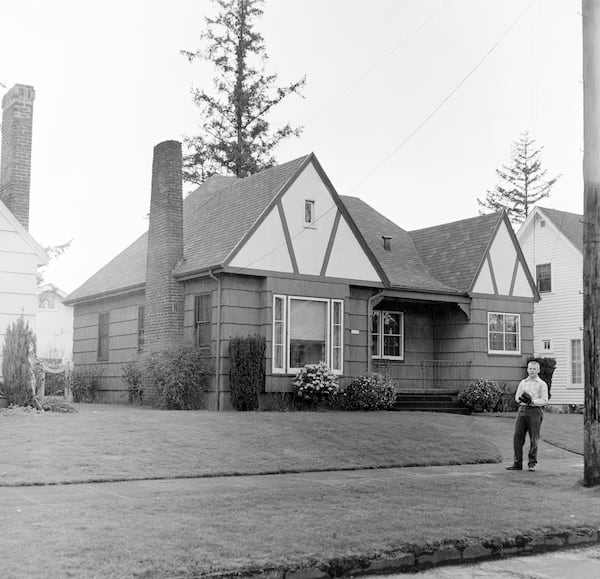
46	301
141	311
103	326
544	277
546	345
309	213
504	333
202	320
387	335
576	362
307	331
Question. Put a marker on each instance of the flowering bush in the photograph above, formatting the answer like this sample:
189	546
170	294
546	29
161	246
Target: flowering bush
315	383
373	392
480	396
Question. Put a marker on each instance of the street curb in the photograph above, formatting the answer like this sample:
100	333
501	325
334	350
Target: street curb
417	557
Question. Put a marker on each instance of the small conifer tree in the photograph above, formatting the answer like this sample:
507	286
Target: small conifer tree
17	373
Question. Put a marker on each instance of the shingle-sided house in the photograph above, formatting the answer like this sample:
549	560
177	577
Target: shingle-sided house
552	243
319	276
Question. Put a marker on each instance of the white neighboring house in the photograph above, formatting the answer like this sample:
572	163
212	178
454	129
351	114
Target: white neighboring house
54	323
20	257
552	242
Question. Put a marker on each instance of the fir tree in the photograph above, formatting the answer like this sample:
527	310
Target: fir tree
236	136
17	370
522	183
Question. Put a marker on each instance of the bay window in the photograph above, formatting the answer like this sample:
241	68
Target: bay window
307	331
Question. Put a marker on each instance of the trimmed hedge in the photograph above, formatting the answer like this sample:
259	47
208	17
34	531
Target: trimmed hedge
247	371
480	396
372	392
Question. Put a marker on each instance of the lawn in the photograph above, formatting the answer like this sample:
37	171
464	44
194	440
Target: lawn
104	442
182	528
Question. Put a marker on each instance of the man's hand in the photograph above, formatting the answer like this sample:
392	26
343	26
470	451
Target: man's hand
525	398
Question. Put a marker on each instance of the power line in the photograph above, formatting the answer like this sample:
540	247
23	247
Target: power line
378	63
446	99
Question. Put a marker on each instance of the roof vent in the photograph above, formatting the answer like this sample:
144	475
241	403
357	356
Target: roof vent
387	242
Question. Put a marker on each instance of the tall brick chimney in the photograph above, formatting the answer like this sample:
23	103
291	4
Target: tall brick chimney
15	166
163	323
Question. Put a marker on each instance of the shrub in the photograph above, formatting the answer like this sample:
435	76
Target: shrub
85	383
133	376
480	396
17	352
179	375
315	384
247	371
372	392
547	367
56	404
507	402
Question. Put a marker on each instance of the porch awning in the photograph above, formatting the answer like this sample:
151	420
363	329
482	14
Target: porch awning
461	300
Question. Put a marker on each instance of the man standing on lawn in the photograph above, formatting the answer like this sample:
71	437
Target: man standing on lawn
532	396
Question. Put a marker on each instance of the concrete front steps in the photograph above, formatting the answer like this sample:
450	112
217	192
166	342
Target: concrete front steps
429	401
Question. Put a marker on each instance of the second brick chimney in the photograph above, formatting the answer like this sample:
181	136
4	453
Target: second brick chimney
15	166
163	323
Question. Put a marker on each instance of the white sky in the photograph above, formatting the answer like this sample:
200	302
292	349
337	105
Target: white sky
110	84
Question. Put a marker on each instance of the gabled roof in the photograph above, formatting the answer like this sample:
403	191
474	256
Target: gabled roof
569	224
401	263
453	252
35	247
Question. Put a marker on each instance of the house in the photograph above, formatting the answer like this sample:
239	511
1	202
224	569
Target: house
54	325
20	254
318	275
552	243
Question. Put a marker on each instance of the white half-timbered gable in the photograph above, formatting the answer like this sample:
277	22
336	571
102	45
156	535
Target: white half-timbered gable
503	270
552	242
305	232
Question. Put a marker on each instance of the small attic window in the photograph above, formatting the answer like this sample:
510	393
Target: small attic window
542	223
387	242
309	213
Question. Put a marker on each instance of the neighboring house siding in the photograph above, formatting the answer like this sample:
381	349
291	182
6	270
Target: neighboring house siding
558	316
54	332
18	283
123	330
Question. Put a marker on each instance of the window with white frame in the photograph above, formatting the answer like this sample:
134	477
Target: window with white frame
309	213
576	363
547	345
543	274
387	335
307	331
504	333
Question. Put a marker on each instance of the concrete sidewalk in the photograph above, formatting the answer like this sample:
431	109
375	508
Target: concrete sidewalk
553	461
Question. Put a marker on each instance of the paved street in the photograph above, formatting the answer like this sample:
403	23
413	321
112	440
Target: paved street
566	564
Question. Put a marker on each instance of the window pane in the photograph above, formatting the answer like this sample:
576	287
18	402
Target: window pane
511	342
511	323
496	341
576	366
391	346
496	323
375	334
308	331
278	333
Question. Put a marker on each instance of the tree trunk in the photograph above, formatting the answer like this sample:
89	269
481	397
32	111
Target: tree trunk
591	239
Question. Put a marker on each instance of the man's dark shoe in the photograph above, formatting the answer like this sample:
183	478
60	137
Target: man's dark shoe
514	467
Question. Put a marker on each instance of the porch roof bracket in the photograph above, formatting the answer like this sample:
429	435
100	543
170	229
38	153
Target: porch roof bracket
466	309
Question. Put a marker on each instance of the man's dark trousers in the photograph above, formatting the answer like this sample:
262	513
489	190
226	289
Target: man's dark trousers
529	420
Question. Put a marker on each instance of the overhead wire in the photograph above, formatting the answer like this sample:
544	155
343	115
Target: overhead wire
446	98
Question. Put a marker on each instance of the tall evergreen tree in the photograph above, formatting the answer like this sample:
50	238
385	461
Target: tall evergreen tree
236	137
522	183
18	351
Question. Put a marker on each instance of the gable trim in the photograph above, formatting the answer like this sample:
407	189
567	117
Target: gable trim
514	276
492	274
27	237
288	237
330	243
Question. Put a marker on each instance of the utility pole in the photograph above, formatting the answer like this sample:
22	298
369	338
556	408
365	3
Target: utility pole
591	239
